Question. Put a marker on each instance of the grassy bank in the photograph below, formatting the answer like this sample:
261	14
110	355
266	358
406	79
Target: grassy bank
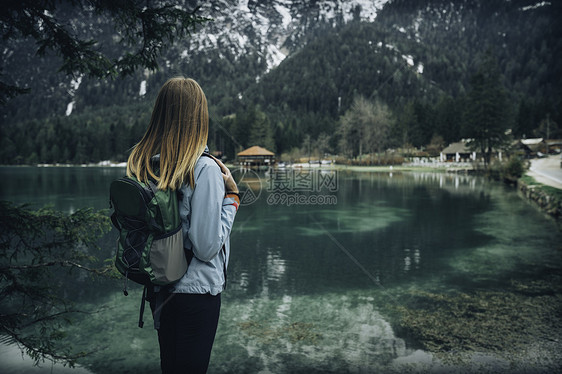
546	198
556	193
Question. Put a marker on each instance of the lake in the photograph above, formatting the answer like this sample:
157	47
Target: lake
340	271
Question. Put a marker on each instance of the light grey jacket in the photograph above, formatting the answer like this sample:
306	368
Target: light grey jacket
207	217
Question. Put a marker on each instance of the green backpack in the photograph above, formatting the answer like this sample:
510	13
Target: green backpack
150	245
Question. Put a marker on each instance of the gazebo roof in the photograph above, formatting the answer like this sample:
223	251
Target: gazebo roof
532	141
458	147
256	151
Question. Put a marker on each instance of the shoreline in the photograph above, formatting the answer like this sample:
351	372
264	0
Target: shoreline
90	165
439	166
544	197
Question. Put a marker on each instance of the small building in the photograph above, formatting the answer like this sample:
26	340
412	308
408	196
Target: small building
458	152
256	156
553	146
531	146
538	146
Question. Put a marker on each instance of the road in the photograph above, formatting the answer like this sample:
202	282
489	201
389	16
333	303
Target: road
547	171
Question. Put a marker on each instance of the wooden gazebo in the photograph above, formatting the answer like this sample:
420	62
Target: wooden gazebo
458	151
256	156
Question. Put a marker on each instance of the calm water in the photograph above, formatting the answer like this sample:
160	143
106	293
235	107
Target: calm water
318	261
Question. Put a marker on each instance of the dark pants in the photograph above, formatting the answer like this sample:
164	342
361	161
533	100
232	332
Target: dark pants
188	324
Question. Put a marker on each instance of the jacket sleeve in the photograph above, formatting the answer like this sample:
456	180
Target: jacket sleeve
212	214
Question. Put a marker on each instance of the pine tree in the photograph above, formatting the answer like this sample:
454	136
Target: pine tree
38	248
487	110
261	132
145	30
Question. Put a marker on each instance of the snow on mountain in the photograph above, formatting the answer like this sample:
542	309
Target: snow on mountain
270	28
69	108
142	89
74	85
537	5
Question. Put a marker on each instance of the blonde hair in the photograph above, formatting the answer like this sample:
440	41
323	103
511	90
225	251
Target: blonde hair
178	131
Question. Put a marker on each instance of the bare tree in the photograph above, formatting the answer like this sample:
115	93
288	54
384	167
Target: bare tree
322	144
378	121
365	127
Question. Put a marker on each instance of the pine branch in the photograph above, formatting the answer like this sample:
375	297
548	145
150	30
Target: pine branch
63	263
40	353
52	317
28	295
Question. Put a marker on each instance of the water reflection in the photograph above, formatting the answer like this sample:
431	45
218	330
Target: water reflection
273	272
295	301
386	223
64	188
411	256
283	308
275	266
243	280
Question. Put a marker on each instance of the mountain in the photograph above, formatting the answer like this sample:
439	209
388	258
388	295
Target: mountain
273	29
300	64
243	37
423	53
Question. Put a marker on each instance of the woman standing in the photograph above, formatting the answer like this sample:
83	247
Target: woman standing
177	134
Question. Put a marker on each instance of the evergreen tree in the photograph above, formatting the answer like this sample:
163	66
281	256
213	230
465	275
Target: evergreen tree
307	146
487	110
401	132
422	128
37	249
145	29
309	92
261	132
448	119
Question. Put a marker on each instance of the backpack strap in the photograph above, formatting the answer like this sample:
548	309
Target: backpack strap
207	154
115	221
153	189
224	269
141	313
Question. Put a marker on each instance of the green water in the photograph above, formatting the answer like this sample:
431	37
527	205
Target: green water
315	287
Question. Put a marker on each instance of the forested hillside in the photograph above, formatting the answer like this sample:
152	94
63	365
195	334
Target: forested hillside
419	59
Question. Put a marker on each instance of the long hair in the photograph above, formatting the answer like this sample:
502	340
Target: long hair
178	131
